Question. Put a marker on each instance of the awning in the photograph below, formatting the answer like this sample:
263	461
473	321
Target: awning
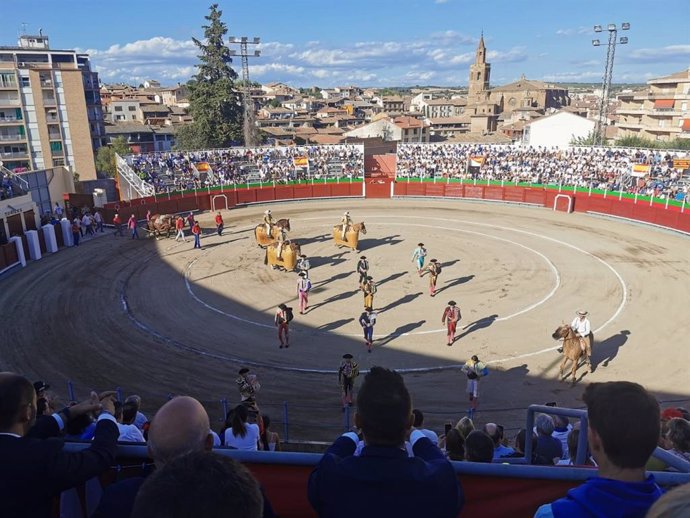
663	104
686	125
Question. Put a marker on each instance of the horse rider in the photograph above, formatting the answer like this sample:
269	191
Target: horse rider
345	222
268	221
583	330
281	238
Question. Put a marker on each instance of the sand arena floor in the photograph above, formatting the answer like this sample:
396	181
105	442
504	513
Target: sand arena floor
159	318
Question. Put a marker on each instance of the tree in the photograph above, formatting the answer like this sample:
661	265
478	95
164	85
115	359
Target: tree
214	101
105	158
587	140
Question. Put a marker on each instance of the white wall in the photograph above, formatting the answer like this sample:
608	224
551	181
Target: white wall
558	130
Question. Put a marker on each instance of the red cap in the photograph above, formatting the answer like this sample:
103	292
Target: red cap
670	413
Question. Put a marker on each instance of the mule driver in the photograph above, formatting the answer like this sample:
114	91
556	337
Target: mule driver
345	222
583	330
268	222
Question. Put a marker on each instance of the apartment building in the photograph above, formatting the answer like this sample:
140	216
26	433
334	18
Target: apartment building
660	112
50	108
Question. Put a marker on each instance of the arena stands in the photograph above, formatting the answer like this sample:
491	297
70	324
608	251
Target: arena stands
178	171
283	476
645	172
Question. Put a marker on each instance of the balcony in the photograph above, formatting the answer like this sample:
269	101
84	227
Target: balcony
6	155
12	137
49	101
11	120
8	85
5	101
46	83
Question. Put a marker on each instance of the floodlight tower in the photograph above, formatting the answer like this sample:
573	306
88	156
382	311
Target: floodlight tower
244	42
600	129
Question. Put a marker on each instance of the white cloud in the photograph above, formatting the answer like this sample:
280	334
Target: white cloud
440	1
668	53
442	55
573	76
575	31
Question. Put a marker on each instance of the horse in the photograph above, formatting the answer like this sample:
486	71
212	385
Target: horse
572	351
291	251
260	232
351	235
160	223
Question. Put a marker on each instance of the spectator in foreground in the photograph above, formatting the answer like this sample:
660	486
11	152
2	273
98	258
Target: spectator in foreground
561	430
200	484
674	504
135	402
419	425
383	480
34	471
179	427
521	441
270	440
547	446
455	445
125	418
495	432
623	432
479	447
678	436
241	434
573	439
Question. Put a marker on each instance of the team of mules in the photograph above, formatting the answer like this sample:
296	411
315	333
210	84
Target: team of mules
572	351
262	239
351	235
160	224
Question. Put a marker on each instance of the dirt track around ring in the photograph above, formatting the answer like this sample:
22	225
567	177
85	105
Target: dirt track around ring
159	318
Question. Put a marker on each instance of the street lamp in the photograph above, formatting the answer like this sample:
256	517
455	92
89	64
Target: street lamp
599	131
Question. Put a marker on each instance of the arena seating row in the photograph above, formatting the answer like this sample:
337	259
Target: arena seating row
646	172
176	171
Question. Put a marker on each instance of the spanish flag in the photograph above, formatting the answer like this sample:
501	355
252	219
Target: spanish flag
476	161
301	161
202	167
640	170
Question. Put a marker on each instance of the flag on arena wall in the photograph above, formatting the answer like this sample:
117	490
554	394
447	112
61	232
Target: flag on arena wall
476	161
640	170
301	161
681	164
202	167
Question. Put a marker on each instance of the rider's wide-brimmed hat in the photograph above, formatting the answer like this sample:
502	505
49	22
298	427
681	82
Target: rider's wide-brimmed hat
583	313
347	356
451	303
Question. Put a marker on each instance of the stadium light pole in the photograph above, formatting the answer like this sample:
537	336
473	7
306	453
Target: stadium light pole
600	128
244	42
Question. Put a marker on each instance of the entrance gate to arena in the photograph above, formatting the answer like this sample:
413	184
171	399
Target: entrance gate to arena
213	201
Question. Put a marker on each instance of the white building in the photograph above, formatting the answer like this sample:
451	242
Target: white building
557	129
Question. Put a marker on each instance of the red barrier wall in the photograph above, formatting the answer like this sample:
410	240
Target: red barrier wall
286	488
657	213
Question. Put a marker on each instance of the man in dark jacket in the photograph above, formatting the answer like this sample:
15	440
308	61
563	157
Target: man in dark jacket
384	481
34	469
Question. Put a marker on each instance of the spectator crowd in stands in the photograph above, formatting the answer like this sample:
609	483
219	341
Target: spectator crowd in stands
598	168
175	171
389	445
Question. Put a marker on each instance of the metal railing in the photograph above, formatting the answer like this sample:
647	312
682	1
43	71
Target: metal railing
133	181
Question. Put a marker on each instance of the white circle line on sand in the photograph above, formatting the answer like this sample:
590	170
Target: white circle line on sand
432	331
452	366
624	288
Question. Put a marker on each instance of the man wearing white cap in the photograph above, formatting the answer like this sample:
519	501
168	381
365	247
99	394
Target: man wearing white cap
345	221
583	330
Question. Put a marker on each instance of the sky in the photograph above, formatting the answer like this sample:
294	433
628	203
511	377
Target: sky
367	42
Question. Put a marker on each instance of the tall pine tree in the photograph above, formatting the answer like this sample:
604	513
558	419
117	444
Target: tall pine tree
214	101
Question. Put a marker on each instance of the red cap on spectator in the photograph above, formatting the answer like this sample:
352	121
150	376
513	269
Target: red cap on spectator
670	413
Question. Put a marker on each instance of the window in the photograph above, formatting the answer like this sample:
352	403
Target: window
118	108
684	106
56	147
132	108
26	81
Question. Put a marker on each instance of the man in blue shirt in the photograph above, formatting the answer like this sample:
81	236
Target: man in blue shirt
623	432
383	480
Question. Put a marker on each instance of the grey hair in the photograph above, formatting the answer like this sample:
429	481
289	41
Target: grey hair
544	424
